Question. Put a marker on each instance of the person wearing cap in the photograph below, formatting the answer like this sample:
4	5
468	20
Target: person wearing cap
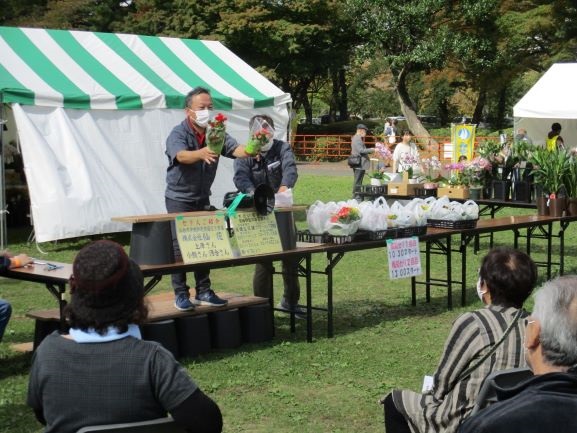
189	176
9	262
358	148
275	165
102	372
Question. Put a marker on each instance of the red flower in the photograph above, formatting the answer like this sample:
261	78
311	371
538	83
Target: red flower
218	121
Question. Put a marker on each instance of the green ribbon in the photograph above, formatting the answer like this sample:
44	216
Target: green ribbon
231	210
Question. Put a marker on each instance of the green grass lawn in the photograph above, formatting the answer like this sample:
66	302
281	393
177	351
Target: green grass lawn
287	385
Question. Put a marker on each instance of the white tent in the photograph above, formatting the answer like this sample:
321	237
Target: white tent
552	99
93	111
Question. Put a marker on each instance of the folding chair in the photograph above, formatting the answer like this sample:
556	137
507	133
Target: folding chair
502	379
159	425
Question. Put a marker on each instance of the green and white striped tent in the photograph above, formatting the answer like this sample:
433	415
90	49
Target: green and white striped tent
92	71
91	113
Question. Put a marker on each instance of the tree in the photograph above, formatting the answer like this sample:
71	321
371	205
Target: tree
411	37
298	44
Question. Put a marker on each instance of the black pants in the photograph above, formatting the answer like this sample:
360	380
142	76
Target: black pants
359	173
395	421
202	276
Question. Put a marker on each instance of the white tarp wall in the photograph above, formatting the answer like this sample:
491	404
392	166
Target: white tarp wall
93	111
85	167
552	99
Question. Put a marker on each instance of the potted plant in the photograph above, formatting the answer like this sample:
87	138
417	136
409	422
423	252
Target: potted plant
377	178
571	185
550	170
431	168
475	175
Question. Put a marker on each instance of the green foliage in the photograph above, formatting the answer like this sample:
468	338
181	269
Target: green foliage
381	341
570	180
550	168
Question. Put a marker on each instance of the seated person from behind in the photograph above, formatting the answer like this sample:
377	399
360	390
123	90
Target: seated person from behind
506	279
548	401
103	372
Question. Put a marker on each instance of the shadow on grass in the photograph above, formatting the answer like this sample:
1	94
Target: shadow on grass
16	364
348	317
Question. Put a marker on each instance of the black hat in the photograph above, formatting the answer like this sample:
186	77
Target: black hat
361	126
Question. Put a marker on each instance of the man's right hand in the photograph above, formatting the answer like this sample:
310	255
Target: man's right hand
206	155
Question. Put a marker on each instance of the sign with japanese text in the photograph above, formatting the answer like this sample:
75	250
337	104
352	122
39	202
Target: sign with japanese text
255	234
404	257
203	238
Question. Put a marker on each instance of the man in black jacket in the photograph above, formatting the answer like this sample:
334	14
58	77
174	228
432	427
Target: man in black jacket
275	165
548	401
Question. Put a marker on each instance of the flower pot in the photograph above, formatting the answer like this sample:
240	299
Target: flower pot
501	189
522	191
572	206
430	185
475	193
557	206
413	180
375	182
542	205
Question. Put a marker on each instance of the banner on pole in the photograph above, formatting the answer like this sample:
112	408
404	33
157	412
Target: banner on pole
463	139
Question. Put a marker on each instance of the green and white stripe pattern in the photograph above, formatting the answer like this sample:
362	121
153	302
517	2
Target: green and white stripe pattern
86	70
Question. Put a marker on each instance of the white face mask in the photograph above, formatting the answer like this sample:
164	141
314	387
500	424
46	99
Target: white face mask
480	291
202	118
265	148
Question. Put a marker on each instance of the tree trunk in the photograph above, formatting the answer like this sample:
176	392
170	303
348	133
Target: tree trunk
343	100
481	99
501	107
413	121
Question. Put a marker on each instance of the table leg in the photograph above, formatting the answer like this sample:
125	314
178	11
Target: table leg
308	266
59	292
449	275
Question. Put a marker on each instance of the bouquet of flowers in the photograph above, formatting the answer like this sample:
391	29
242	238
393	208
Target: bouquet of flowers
409	163
476	172
457	177
382	151
216	133
345	221
432	169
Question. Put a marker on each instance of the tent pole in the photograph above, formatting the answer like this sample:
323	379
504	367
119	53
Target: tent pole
3	210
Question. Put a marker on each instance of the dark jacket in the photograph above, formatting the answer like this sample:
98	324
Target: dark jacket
282	169
543	403
358	148
189	182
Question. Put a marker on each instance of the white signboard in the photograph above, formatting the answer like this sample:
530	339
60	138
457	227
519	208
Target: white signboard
404	258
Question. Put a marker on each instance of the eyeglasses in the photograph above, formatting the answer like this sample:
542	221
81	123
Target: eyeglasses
527	321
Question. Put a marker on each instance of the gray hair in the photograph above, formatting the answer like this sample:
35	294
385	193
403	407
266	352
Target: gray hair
556	310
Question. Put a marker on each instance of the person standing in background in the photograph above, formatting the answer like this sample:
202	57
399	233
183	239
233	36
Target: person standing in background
358	148
554	139
404	148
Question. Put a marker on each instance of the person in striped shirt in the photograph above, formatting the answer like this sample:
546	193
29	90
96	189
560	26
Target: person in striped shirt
506	279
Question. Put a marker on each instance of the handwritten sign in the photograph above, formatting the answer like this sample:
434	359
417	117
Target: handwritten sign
255	234
203	238
404	257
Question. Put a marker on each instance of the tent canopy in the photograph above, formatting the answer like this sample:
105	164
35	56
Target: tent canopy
86	70
93	111
551	99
